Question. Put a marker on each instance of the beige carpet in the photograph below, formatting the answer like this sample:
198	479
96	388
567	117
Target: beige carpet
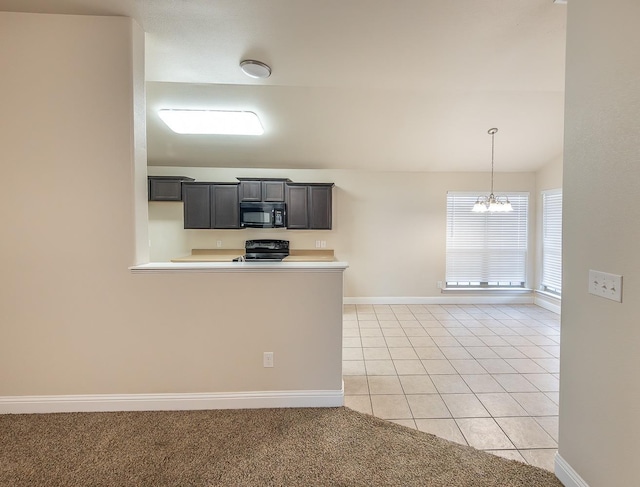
255	447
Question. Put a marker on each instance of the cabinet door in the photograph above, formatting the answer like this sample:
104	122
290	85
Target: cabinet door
197	205
297	207
272	190
320	207
251	191
225	209
165	189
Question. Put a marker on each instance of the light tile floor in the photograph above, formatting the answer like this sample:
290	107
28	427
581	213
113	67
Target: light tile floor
481	375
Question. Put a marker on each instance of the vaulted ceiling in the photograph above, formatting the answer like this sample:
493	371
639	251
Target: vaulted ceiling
408	85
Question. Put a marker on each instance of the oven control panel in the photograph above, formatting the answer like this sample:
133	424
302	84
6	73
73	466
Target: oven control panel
266	244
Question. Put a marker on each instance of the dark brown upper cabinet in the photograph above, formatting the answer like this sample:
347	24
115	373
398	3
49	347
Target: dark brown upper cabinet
211	205
297	207
197	205
320	207
225	210
165	188
250	190
261	189
309	206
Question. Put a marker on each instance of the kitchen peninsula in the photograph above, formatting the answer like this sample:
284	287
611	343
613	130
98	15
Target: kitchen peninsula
292	310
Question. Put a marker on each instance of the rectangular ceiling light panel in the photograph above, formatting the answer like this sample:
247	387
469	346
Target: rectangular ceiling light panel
211	122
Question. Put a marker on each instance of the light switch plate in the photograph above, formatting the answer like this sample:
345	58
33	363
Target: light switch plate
267	359
605	285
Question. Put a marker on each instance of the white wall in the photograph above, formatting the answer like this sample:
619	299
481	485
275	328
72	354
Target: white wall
599	386
73	318
389	226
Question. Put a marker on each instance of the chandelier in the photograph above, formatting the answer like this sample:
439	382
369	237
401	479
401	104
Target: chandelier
492	203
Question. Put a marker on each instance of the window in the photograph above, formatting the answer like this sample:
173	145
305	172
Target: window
552	241
486	249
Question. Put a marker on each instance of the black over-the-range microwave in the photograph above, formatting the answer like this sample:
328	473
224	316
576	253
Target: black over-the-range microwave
263	215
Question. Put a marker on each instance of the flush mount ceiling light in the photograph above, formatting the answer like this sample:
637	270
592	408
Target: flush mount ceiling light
211	122
491	203
255	69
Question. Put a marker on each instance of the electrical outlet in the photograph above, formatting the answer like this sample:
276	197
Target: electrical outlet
219	243
605	285
323	244
267	359
317	244
439	284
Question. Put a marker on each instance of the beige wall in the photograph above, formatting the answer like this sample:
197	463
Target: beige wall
73	318
599	386
389	226
548	177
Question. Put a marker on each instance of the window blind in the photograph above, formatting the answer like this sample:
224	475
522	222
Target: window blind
486	249
552	241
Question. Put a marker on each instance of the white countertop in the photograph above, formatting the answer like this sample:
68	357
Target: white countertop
228	255
240	267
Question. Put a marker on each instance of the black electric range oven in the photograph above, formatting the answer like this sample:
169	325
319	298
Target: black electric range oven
268	250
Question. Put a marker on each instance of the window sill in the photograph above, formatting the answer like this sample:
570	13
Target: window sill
489	290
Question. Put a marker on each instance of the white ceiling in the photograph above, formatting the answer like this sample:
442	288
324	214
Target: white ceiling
409	85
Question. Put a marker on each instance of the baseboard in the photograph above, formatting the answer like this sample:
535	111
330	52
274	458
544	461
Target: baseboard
170	402
567	475
449	299
547	301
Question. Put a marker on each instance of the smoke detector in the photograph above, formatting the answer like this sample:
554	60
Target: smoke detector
255	69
